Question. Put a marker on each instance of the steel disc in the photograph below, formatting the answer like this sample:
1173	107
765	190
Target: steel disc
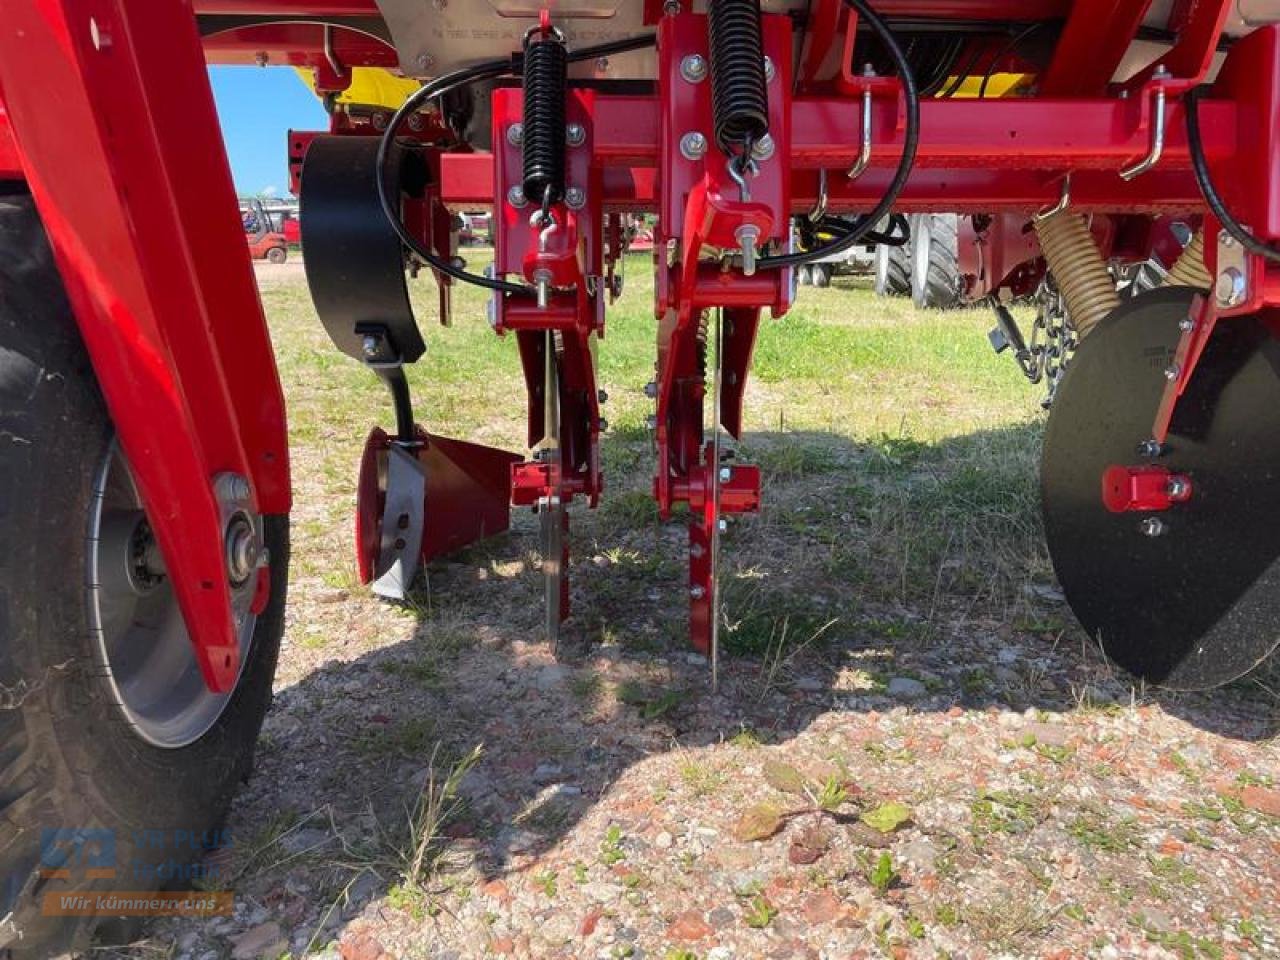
1198	605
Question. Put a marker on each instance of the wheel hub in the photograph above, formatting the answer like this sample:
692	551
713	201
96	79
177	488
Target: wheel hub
140	640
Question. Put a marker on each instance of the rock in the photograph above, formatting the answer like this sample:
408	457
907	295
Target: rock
921	853
1048	734
689	926
550	677
545	772
1008	655
720	917
663	840
362	946
810	685
1261	799
497	889
264	940
906	688
822	908
304	840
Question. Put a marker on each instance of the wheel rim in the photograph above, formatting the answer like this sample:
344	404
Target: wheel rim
140	641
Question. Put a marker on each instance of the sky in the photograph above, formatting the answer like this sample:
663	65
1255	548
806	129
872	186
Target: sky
257	106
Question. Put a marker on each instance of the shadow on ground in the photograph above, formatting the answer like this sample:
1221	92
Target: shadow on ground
891	579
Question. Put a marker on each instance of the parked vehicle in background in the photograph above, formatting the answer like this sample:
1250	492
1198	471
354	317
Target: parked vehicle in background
476	228
266	241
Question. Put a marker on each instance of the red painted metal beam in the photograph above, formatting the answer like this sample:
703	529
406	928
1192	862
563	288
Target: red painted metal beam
1092	44
130	177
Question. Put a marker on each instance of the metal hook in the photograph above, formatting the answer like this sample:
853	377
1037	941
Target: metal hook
738	177
1064	201
1157	133
864	154
820	208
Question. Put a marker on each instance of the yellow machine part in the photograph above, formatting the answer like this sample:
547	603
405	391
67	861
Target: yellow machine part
370	86
1000	85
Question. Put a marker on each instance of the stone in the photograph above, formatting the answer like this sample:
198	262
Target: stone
906	688
688	926
1261	799
822	908
362	946
264	940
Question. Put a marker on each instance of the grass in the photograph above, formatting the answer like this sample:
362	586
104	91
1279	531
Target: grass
898	454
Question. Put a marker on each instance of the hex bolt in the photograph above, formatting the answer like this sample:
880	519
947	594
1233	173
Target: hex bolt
602	64
425	61
1172	371
693	145
1226	240
763	148
262	58
515	197
651	390
769	70
370	346
379	121
575	134
1150	448
697	592
415	122
1152	526
726	474
1177	488
575	197
1230	289
694	68
604	424
602	396
722	524
1186	324
515	135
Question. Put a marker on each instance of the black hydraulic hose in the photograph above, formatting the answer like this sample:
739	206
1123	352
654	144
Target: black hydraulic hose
1195	146
911	140
441	85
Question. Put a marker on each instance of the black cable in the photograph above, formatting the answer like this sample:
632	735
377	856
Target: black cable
1007	49
962	74
911	140
944	69
1195	147
438	87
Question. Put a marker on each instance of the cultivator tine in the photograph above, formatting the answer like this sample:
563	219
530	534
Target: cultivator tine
551	508
714	514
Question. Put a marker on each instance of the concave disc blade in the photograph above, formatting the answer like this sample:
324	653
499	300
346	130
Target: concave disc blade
1199	605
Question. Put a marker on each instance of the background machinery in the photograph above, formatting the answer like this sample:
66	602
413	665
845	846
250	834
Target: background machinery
142	428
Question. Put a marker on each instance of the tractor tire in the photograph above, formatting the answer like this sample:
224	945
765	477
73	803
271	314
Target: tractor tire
75	773
893	270
935	261
820	274
277	255
804	275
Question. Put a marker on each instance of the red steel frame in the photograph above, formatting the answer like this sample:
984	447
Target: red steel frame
177	336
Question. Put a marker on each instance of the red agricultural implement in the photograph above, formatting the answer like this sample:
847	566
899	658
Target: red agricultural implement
144	474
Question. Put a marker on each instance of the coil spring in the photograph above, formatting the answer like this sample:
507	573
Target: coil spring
546	65
739	98
1190	270
1073	258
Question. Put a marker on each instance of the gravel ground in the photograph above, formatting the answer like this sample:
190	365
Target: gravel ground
922	779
